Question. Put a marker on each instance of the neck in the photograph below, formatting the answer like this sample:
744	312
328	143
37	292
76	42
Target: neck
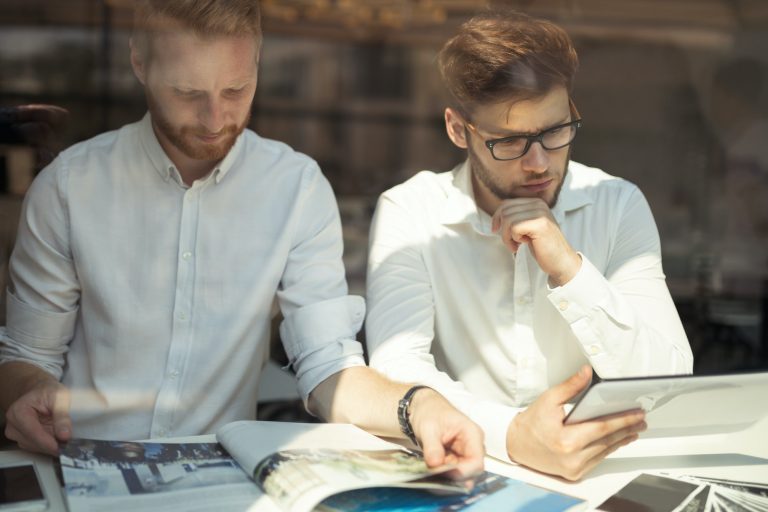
484	198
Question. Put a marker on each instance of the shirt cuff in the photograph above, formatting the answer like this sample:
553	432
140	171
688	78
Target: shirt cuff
38	328
319	340
494	419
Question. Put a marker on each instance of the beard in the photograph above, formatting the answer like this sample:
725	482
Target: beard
186	138
502	192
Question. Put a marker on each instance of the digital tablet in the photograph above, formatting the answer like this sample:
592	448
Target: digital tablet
680	405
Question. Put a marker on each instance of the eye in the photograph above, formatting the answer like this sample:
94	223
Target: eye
186	94
234	92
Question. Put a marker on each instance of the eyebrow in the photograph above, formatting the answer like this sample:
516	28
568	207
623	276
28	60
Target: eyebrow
189	89
501	134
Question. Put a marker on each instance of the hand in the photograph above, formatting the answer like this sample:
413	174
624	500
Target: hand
446	435
538	438
530	221
39	419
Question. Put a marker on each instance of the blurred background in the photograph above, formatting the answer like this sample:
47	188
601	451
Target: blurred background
673	93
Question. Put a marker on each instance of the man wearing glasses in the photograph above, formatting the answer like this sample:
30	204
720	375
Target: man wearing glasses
502	282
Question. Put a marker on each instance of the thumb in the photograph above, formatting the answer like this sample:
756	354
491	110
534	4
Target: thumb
572	386
62	423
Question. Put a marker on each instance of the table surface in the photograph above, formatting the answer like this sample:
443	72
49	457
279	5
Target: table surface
741	456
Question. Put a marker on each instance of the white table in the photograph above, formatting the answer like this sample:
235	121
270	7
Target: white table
741	456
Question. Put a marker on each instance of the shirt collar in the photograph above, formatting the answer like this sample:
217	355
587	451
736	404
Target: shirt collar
165	167
460	206
571	197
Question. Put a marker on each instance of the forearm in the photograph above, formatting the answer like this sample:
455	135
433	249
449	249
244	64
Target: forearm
627	324
360	396
17	379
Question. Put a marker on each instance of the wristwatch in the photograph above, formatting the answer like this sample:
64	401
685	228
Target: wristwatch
403	414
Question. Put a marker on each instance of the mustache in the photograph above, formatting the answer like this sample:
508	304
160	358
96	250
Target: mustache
227	130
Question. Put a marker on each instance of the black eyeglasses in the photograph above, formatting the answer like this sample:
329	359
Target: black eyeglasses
515	146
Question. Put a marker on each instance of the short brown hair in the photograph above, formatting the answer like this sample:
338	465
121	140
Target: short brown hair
506	55
205	17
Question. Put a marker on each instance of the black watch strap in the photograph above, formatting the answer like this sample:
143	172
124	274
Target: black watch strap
403	414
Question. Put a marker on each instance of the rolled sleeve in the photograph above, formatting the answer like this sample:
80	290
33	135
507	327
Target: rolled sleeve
319	339
36	337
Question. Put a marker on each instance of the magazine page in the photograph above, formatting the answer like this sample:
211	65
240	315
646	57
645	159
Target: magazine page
300	479
491	493
250	442
126	475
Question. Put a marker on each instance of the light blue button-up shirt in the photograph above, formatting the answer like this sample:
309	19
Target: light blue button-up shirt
152	300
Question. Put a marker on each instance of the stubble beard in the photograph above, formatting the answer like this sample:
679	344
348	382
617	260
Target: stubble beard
485	176
186	138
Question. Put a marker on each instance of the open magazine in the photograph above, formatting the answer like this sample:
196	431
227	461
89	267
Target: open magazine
295	468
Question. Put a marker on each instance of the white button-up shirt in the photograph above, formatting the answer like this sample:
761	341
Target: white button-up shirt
152	300
451	307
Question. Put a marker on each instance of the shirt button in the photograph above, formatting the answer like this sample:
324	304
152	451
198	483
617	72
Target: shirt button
563	305
173	374
182	316
186	255
594	350
161	432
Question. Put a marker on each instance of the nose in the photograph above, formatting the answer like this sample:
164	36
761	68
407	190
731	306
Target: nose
212	115
536	160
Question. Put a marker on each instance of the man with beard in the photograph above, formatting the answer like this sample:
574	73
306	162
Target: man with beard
501	282
148	260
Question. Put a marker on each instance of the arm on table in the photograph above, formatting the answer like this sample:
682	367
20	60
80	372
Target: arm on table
364	397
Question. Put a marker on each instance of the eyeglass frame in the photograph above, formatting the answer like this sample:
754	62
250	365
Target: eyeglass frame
530	139
536	137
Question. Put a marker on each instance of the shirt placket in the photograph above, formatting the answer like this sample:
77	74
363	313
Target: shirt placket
525	344
168	398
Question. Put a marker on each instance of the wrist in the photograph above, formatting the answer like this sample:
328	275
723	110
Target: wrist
405	408
564	275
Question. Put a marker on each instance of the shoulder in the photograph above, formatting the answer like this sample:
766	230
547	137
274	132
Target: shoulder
422	190
599	185
77	159
275	156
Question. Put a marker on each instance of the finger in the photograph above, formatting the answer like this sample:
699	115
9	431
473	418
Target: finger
594	430
469	448
433	449
62	423
25	428
570	387
602	454
614	439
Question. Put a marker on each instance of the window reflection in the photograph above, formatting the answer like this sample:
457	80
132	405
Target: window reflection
675	93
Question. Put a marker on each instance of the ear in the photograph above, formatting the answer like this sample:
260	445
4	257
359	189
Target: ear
138	62
456	128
